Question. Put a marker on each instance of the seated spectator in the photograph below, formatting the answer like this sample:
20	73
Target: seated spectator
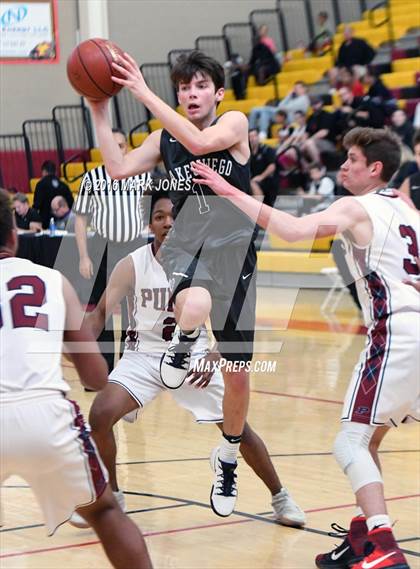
46	189
403	128
320	193
265	39
63	216
280	126
263	63
354	52
321	186
296	100
356	111
320	131
236	68
348	78
377	91
288	158
322	41
27	218
264	179
411	185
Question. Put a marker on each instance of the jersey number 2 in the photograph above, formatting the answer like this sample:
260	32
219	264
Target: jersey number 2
408	233
21	300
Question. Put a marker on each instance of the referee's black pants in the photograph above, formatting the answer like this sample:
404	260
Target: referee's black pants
105	255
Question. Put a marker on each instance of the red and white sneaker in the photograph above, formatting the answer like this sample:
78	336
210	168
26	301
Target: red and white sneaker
384	552
350	550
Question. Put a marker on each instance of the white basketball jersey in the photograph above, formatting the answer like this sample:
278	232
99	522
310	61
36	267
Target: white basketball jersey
152	320
32	321
380	268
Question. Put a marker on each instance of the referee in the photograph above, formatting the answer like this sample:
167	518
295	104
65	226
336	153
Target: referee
112	208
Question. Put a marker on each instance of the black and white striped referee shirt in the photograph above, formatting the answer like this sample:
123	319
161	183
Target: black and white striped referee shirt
114	206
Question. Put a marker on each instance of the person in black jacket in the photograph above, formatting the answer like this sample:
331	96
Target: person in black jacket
46	189
356	111
263	63
354	51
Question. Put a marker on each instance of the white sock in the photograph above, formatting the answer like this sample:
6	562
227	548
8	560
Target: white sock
229	451
381	520
191	335
280	494
358	512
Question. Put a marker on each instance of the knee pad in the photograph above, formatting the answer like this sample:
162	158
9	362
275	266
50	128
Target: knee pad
351	450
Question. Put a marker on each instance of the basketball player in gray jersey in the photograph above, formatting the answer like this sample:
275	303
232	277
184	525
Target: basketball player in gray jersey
135	381
209	257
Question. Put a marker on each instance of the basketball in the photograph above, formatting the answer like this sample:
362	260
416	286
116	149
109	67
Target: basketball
89	68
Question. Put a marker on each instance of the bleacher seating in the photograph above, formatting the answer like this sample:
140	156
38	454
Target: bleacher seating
399	72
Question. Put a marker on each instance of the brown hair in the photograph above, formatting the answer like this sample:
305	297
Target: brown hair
187	65
6	217
377	145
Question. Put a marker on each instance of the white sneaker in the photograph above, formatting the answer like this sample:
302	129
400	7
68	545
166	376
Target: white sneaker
286	511
224	490
77	521
175	362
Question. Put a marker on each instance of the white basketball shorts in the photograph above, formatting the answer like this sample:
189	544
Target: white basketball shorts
385	385
139	374
45	441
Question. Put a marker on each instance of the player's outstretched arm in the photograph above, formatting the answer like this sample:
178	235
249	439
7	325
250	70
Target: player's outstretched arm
228	131
341	216
80	343
120	284
141	159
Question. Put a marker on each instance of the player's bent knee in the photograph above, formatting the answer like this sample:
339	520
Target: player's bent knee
237	377
104	505
102	417
351	450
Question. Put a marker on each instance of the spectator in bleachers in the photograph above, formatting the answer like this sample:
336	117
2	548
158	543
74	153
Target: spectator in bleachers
264	179
354	52
320	190
296	100
348	78
265	39
27	218
321	186
46	189
411	185
403	128
263	63
280	126
320	131
236	69
288	158
64	217
322	41
377	91
356	111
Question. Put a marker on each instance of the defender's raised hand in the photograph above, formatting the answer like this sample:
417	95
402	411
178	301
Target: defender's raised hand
205	175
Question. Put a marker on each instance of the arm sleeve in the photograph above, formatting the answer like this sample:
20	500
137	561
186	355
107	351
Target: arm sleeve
37	196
